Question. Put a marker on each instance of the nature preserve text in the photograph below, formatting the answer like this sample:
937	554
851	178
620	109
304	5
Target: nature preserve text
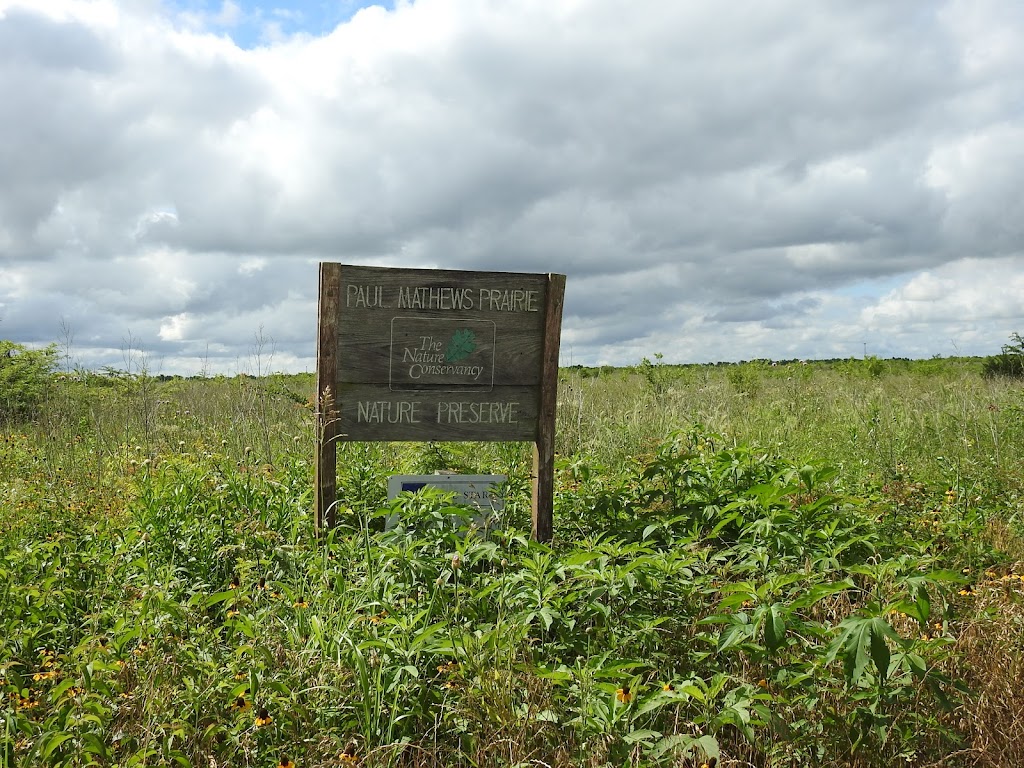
445	412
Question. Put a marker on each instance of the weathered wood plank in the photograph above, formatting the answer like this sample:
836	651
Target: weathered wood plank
327	392
504	413
544	446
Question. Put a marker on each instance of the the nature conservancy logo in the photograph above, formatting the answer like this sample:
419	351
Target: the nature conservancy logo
460	346
442	354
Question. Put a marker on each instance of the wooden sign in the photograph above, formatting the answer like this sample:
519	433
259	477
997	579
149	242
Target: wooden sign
417	354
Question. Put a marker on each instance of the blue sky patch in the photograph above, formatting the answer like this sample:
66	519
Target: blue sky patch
254	23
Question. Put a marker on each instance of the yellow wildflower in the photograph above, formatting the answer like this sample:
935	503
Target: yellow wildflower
24	702
263	718
241	704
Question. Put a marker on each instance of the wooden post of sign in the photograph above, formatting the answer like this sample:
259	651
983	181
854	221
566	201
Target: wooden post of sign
544	447
326	394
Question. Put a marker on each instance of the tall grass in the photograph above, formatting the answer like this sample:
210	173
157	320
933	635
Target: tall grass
754	565
934	420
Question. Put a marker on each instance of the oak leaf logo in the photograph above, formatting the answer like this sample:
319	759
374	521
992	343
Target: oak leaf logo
461	345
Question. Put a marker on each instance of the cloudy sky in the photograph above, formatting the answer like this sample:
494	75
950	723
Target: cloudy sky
719	181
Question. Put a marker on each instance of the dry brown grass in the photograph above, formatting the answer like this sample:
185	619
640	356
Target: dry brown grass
990	644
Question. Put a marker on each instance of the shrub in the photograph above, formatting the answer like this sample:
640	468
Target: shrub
1010	362
656	374
24	375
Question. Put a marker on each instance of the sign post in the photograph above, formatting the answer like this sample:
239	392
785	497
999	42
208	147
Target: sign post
418	354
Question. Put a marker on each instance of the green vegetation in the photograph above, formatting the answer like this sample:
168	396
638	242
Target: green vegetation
754	564
1010	362
24	376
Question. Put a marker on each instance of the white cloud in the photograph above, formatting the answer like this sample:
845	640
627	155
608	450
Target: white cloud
174	328
966	291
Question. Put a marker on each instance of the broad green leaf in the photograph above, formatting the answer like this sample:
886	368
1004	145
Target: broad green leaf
421	638
879	648
92	743
819	592
546	616
709	745
735	635
852	644
679	742
54	742
693	691
243	625
924	606
59	691
560	675
219	597
774	628
238	690
641	736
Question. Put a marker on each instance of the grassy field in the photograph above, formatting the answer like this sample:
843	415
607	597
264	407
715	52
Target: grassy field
753	565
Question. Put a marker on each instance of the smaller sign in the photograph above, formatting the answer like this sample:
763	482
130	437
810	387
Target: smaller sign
480	491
